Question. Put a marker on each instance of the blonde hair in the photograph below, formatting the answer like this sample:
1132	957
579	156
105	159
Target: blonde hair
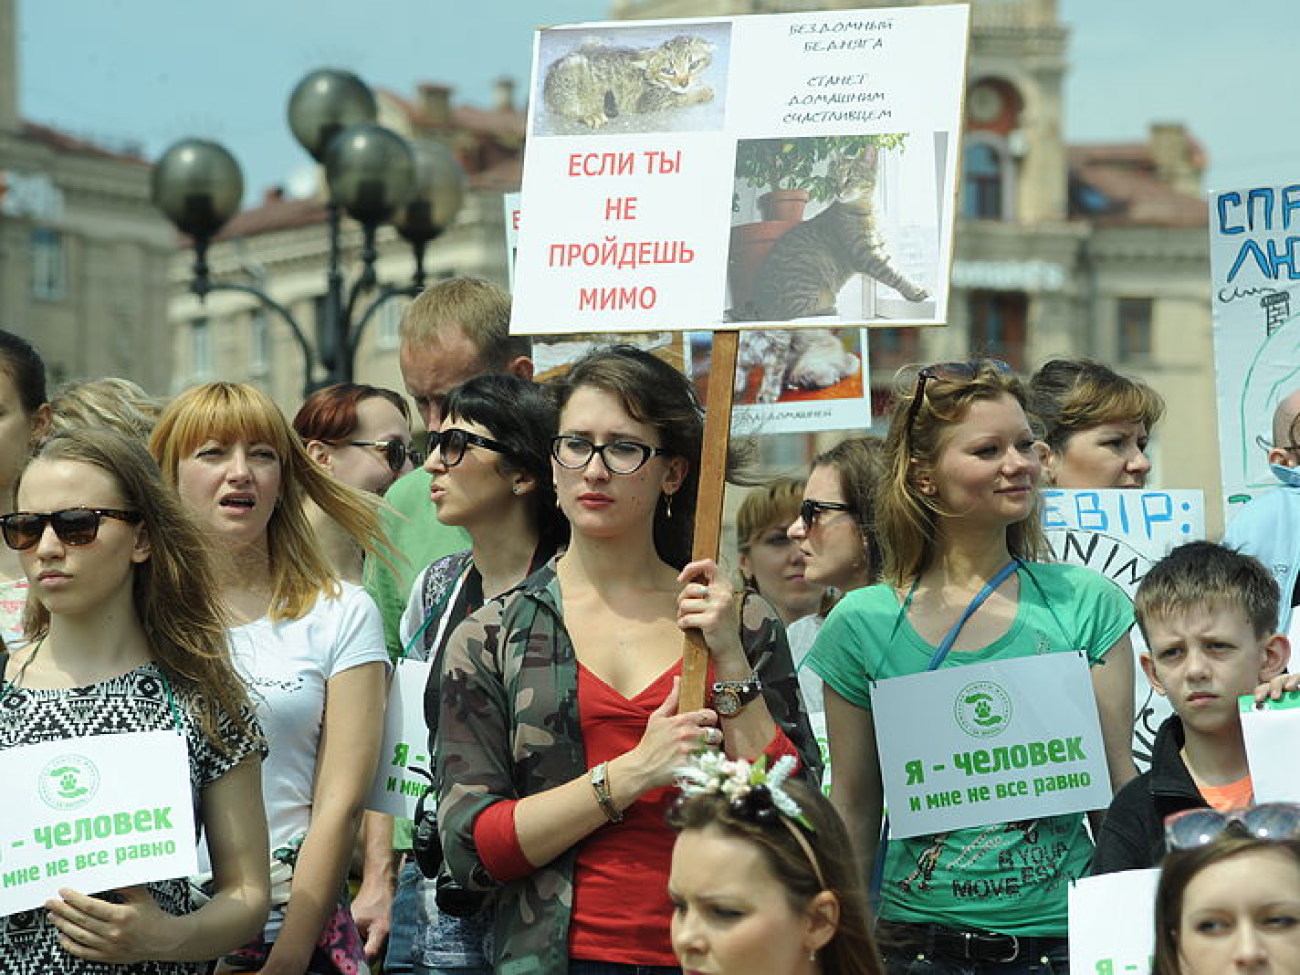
767	506
906	520
228	412
118	404
175	591
479	308
1068	396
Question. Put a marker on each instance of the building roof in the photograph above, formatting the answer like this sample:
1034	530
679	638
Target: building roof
1122	185
63	142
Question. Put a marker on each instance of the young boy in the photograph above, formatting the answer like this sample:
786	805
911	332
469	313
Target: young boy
1209	616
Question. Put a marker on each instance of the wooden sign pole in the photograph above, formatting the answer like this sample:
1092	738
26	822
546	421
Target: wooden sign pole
708	505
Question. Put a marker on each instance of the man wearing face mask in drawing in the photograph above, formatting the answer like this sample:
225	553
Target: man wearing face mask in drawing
1268	527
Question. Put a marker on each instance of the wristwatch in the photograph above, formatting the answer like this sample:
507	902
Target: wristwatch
730	696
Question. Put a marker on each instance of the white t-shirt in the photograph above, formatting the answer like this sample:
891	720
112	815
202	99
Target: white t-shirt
287	665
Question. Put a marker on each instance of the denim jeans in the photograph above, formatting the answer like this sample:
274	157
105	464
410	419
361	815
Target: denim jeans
400	959
584	967
1055	962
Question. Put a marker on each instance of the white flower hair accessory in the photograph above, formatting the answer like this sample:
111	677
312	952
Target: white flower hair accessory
753	790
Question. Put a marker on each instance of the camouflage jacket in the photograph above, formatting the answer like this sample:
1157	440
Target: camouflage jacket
509	728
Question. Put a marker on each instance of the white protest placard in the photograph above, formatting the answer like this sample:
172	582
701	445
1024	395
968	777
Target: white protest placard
1112	923
766	169
404	755
1271	731
1121	534
989	743
1254	271
79	814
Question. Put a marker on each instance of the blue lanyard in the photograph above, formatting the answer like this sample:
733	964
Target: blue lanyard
941	653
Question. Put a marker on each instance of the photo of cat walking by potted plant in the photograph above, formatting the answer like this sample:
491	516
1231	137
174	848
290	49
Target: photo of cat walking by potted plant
786	267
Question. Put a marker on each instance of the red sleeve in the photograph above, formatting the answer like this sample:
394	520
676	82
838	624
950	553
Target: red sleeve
498	842
780	746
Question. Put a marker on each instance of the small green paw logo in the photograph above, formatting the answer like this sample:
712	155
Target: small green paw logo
69	781
982	709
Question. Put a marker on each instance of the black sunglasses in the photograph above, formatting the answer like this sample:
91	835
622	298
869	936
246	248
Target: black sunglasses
950	372
396	453
810	511
72	526
451	443
1193	828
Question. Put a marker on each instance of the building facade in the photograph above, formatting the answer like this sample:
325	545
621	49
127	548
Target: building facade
83	253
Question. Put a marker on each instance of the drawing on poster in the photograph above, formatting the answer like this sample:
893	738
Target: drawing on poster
783	364
633	79
787	266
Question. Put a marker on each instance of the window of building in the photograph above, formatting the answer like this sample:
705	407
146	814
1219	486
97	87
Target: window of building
997	325
259	344
891	348
984	175
49	267
201	349
1134	324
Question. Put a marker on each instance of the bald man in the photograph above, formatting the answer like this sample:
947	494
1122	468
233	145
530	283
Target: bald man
1268	527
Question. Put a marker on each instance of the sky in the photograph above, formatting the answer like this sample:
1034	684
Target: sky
151	72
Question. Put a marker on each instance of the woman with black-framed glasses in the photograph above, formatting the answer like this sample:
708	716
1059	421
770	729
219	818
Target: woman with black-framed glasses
1229	894
361	435
559	730
958	520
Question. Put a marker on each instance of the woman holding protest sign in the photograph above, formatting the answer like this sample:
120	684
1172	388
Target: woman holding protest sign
958	520
559	729
129	636
311	647
1095	424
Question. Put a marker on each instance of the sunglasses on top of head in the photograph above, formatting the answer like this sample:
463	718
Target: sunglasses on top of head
1194	828
72	526
948	372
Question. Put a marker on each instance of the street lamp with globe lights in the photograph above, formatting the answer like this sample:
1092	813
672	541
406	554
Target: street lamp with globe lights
373	174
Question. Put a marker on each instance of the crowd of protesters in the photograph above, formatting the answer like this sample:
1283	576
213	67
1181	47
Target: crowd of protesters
207	567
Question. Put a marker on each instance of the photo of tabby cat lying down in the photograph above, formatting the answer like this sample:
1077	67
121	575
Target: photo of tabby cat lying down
598	82
813	261
791	358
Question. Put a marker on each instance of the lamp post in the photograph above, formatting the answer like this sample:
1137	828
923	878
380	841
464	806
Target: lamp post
373	174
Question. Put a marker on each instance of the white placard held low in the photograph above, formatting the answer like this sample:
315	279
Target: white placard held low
989	743
1112	930
79	814
1271	733
398	785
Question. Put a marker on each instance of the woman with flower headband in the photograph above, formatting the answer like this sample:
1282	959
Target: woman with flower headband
310	646
1229	894
559	731
763	876
129	636
957	514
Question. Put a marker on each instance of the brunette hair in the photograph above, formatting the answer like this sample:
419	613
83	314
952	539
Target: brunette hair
522	417
1205	574
858	463
330	413
117	404
654	393
1067	396
228	412
906	520
852	949
479	308
176	595
1178	869
25	368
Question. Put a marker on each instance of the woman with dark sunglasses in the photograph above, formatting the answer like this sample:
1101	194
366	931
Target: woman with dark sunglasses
559	729
128	635
1229	894
361	435
310	645
491	475
957	514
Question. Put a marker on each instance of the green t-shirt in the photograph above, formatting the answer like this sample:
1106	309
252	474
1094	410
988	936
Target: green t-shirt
1011	878
419	539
